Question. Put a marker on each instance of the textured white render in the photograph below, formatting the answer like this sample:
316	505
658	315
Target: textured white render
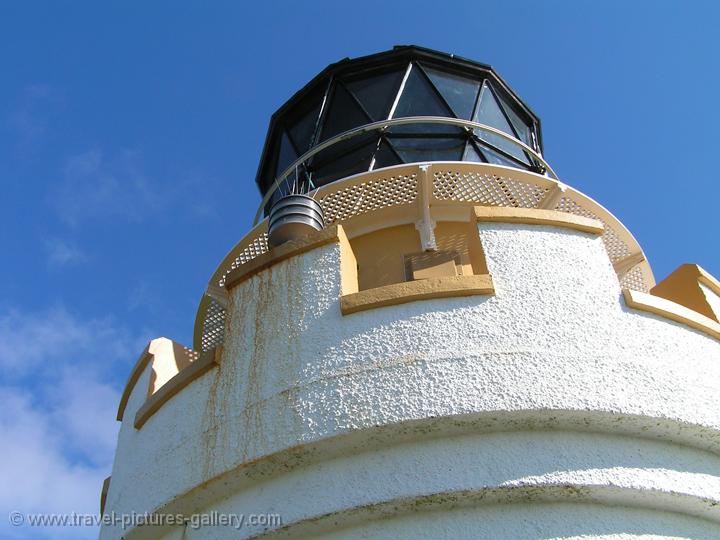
548	410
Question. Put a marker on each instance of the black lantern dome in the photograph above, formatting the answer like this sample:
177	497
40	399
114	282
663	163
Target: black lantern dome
406	105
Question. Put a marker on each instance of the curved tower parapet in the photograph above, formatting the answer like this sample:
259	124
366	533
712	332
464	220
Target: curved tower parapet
467	350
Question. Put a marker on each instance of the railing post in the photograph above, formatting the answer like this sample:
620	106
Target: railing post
551	200
425	224
218	293
623	266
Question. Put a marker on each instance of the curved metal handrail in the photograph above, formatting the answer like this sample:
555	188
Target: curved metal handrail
625	252
384	125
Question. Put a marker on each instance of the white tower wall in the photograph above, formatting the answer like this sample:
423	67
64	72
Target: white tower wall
548	409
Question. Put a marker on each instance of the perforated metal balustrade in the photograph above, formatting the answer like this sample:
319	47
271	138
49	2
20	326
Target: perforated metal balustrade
459	183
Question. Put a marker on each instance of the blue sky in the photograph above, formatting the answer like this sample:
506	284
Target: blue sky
130	134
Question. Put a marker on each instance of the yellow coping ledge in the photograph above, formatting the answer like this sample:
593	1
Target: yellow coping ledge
683	286
671	310
708	279
205	362
534	216
334	233
410	291
173	368
137	370
103	494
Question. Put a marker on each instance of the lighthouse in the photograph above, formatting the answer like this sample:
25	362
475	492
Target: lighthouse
426	333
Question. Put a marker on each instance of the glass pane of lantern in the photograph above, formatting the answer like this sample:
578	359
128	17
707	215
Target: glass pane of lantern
286	154
490	114
344	114
377	93
459	92
493	157
344	159
385	156
521	128
414	149
301	131
471	154
420	99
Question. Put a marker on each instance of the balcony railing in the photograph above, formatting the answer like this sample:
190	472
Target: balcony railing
411	192
383	126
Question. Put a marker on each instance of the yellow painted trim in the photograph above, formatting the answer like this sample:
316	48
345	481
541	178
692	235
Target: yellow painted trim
683	286
152	349
671	310
207	361
137	370
707	279
283	252
348	265
169	358
103	494
532	216
410	291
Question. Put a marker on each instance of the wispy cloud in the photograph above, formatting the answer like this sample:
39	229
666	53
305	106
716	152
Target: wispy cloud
58	416
29	341
95	187
98	186
39	475
63	253
29	119
86	407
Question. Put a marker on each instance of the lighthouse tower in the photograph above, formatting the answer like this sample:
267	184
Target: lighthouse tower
425	334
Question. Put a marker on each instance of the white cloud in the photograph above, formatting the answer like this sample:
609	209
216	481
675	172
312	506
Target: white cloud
63	253
140	295
29	118
27	340
58	415
95	187
38	476
98	186
86	407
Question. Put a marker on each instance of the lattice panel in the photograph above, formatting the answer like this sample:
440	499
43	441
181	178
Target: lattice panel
214	326
257	247
571	207
486	189
368	196
634	280
617	249
479	187
191	354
